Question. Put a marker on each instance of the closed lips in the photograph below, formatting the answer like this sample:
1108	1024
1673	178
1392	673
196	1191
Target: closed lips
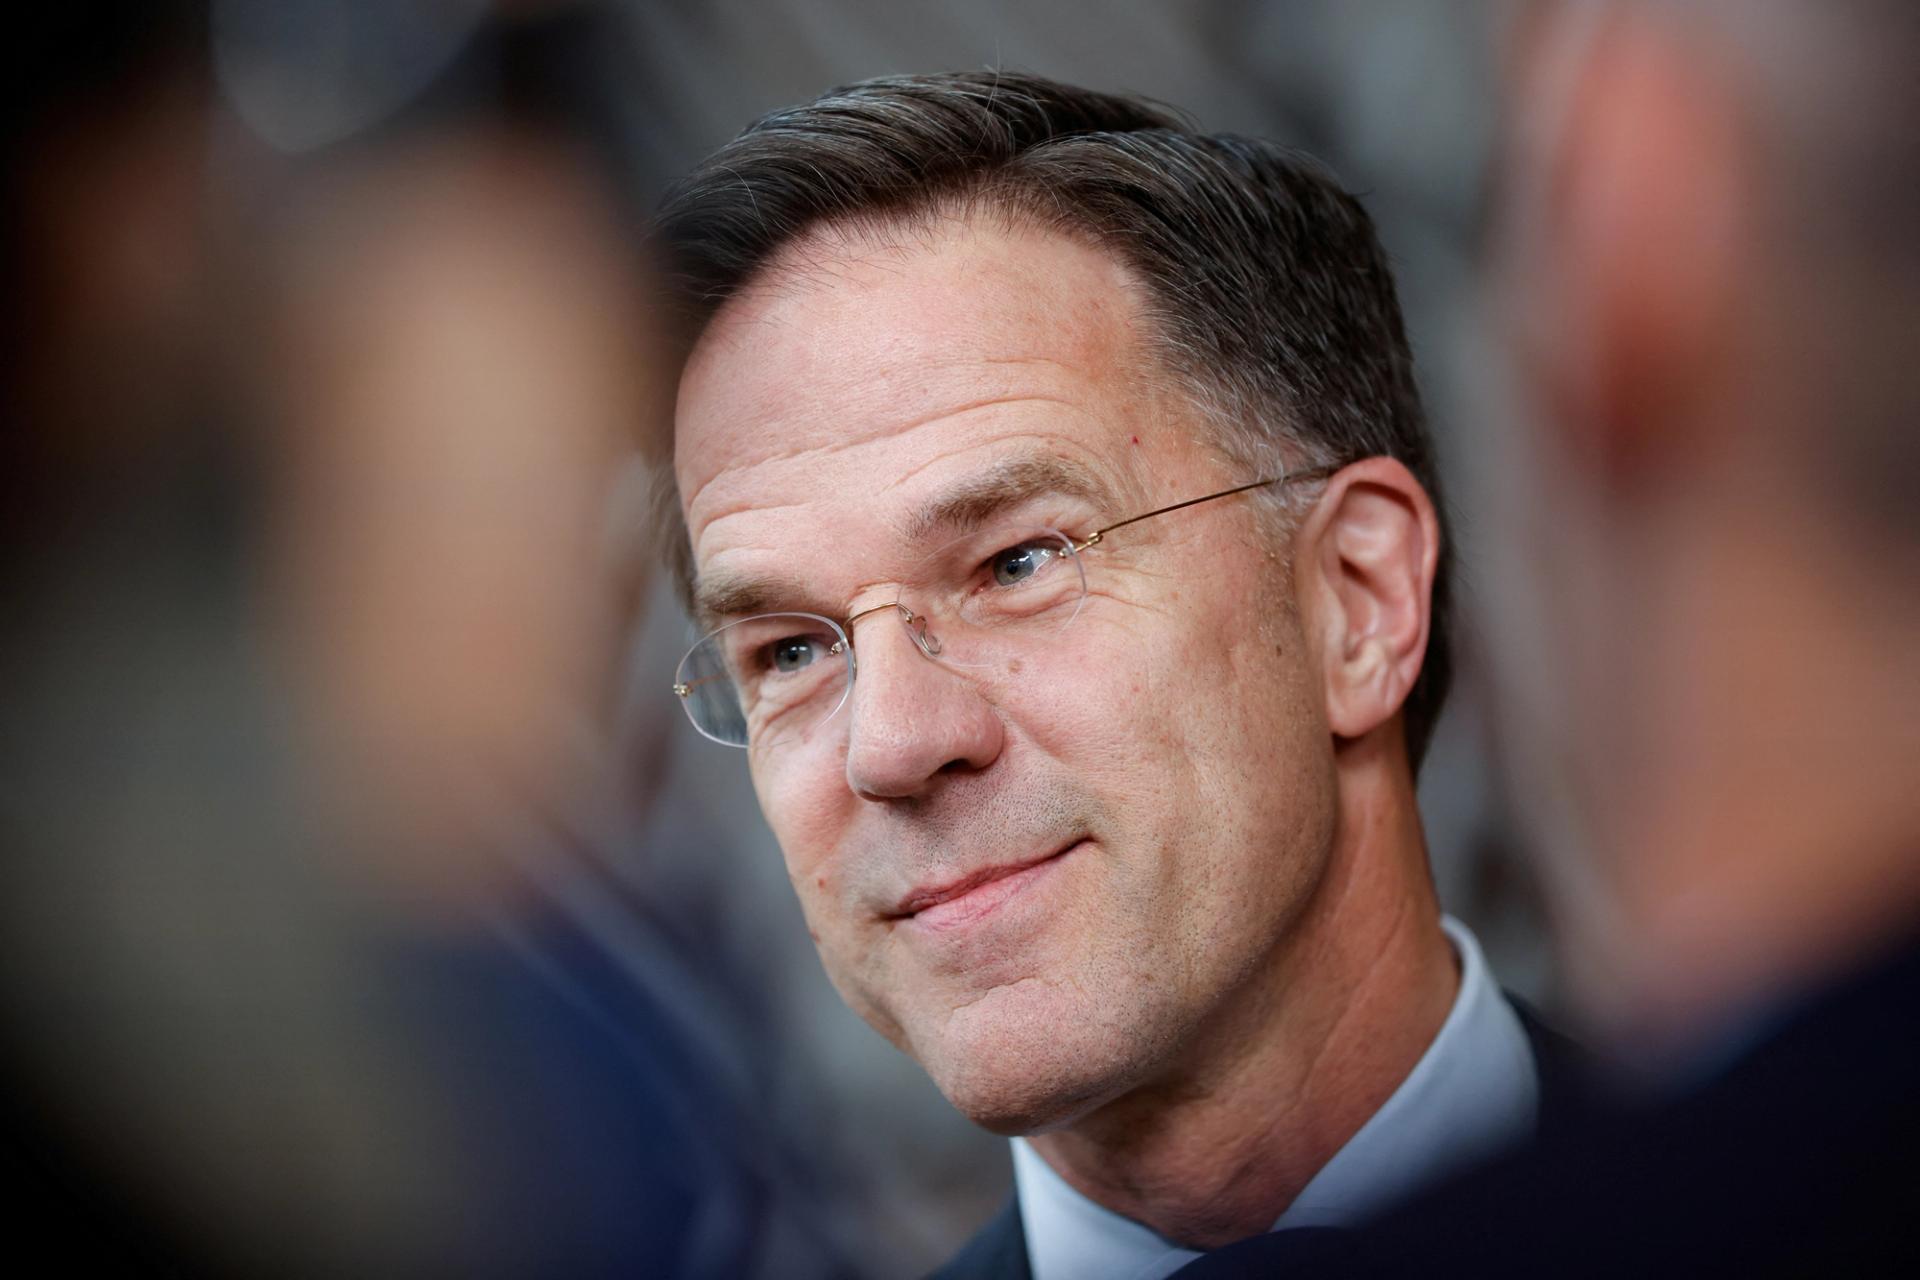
932	896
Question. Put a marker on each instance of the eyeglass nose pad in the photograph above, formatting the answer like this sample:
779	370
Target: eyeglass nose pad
917	628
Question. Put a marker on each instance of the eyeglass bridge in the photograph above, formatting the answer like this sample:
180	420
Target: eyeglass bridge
916	624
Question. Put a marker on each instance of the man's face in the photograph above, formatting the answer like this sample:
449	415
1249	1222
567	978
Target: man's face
1161	769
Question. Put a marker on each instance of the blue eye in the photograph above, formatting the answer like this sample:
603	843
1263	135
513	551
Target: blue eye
792	653
1017	564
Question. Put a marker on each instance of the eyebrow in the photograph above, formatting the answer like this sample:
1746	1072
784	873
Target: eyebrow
966	505
726	595
1003	486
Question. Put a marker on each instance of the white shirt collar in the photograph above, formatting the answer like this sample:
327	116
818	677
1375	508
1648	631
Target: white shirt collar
1474	1089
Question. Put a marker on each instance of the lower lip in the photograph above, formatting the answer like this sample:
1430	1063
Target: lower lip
978	903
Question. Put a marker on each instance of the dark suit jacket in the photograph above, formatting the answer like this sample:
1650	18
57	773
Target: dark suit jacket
1799	1158
999	1251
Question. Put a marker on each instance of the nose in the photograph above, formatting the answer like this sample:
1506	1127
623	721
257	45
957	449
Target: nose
914	719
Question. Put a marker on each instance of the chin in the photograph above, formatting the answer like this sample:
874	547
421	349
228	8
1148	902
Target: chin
1023	1070
1012	1107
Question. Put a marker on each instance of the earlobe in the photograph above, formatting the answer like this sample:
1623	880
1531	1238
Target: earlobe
1375	547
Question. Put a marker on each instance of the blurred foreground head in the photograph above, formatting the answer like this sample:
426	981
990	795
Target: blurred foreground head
1709	286
459	366
313	628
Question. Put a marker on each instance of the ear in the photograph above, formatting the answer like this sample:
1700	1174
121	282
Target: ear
1624	225
1368	555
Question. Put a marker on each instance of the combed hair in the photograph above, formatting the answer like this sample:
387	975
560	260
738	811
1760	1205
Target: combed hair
1269	298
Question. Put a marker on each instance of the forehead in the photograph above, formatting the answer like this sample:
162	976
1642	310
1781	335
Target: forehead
861	371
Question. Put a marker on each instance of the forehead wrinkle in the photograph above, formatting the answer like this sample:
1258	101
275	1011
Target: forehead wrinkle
1005	484
719	595
699	523
966	301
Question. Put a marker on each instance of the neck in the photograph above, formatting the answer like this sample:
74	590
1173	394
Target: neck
1216	1147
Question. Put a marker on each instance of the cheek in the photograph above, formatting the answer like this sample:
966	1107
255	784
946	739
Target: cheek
1265	720
811	816
808	809
1217	749
1179	687
1107	698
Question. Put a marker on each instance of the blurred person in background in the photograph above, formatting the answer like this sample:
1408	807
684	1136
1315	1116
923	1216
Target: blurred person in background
325	381
1709	289
1107	822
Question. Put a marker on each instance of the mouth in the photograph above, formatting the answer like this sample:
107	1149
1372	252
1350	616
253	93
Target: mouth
960	901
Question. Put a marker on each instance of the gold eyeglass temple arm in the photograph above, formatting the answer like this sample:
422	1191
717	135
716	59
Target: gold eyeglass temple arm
1093	539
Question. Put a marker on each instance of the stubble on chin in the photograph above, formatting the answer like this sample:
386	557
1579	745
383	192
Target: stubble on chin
1039	1054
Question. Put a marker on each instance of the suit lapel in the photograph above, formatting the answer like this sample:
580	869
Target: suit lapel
998	1252
1565	1068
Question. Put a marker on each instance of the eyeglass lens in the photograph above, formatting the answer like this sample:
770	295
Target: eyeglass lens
983	604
